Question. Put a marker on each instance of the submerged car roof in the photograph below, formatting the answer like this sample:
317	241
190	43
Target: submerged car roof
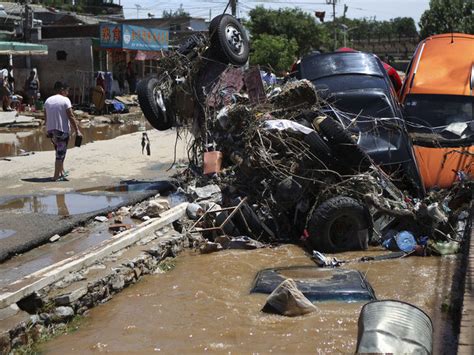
443	65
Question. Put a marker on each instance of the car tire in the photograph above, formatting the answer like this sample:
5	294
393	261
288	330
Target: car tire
319	148
341	143
159	119
229	40
340	224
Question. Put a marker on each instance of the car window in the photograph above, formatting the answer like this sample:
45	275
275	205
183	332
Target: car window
351	82
371	103
319	66
438	111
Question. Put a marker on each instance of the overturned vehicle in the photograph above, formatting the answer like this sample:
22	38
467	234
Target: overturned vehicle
299	161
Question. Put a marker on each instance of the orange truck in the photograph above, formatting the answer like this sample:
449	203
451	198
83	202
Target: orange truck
437	97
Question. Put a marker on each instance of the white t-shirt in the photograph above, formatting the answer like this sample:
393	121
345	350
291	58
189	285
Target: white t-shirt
56	113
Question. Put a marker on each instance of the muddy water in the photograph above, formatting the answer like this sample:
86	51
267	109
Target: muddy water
17	141
204	305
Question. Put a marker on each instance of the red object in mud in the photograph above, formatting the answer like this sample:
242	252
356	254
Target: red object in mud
391	71
212	162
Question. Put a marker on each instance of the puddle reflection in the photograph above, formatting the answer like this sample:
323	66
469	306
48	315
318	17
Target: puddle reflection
61	204
16	141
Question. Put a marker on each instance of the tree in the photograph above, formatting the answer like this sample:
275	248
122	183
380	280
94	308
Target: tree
276	52
445	16
404	27
180	12
290	24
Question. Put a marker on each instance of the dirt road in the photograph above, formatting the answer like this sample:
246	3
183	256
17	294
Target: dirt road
95	164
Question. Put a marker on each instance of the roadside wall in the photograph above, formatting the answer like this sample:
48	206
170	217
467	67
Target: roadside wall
65	57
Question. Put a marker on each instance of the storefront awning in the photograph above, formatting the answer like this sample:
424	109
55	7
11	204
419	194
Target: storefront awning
20	48
120	36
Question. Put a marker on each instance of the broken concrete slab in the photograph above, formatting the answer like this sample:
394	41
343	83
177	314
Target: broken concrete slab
12	119
70	297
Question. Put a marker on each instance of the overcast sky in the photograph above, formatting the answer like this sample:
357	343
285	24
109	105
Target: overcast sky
381	9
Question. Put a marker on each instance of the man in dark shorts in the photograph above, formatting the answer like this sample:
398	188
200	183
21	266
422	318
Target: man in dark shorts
59	117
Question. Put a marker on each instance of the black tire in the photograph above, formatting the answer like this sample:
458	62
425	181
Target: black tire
340	224
319	148
229	40
213	25
343	145
159	119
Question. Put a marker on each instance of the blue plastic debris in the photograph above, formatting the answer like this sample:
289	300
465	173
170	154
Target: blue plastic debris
404	241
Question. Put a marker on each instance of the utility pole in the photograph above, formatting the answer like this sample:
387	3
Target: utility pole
27	22
333	3
233	7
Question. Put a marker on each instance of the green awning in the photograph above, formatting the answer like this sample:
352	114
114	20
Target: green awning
20	48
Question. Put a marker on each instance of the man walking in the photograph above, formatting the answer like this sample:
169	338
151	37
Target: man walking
59	117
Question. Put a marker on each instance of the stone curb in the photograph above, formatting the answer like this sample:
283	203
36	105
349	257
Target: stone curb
63	307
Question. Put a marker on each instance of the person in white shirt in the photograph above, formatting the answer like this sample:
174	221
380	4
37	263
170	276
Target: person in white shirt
59	117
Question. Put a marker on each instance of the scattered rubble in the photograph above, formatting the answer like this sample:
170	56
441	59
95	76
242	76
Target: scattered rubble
54	238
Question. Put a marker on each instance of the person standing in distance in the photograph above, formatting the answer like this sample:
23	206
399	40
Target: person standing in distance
59	117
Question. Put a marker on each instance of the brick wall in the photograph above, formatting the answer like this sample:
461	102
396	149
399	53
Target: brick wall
50	69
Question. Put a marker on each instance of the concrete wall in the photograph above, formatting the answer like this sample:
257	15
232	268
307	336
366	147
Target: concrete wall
50	69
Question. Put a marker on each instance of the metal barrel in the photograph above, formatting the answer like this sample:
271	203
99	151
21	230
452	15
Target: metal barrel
390	326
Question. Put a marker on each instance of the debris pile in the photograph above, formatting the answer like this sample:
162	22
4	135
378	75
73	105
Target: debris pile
304	177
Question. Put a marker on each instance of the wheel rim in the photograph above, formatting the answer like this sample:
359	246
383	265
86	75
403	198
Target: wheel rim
343	230
234	39
158	96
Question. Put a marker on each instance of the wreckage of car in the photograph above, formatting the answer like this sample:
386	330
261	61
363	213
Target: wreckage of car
438	108
327	161
358	85
168	95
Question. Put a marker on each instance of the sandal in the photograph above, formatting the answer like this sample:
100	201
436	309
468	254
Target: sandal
61	178
66	173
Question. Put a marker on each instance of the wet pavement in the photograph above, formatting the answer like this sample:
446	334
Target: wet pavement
204	305
75	242
29	221
17	141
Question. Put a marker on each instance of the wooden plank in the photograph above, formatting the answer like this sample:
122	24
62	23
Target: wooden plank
44	277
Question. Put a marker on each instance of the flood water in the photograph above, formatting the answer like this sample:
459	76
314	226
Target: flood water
204	305
16	141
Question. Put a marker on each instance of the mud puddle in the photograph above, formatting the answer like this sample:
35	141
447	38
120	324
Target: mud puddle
83	201
61	204
133	186
17	141
204	304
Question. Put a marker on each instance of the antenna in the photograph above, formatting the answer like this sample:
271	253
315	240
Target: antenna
139	7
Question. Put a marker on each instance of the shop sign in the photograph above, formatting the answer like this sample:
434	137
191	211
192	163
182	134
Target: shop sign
133	37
